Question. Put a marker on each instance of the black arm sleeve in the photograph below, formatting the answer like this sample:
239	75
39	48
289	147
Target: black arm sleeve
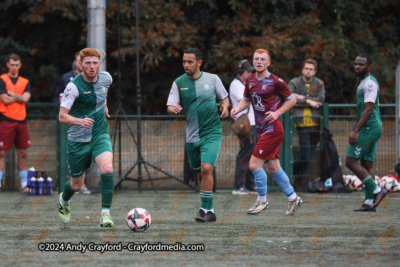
3	88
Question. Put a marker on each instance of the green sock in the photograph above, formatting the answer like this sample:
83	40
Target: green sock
370	186
107	189
68	191
206	200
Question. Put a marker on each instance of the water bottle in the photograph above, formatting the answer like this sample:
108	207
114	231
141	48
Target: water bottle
31	173
40	183
49	186
33	186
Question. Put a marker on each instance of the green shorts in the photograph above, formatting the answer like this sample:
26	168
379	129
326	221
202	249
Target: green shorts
204	151
80	155
367	143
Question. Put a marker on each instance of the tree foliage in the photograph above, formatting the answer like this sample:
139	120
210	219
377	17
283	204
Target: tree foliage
47	33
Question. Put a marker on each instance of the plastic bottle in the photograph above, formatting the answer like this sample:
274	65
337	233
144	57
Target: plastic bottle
49	186
40	188
33	186
31	173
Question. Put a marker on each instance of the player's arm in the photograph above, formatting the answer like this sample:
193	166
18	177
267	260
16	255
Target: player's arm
224	105
65	118
369	108
243	104
70	94
287	105
4	97
174	109
106	111
173	106
24	98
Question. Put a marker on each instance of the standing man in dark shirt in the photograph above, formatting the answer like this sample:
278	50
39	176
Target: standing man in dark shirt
15	91
66	78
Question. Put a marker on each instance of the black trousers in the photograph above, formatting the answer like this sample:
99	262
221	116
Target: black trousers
243	176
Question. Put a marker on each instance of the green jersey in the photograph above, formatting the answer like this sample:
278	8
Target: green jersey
198	99
368	91
87	100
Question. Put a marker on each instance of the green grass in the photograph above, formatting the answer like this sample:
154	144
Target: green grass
324	230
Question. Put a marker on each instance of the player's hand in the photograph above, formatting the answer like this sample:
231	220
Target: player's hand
233	113
353	138
271	116
224	111
175	109
106	112
87	123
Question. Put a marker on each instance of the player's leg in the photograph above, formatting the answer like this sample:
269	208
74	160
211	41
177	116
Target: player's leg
103	156
22	142
22	171
260	177
79	158
281	178
364	149
266	148
70	187
193	154
104	162
209	151
367	162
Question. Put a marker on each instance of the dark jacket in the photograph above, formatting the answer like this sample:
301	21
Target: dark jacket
62	83
316	93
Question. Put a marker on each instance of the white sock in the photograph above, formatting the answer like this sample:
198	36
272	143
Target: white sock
212	210
292	197
105	211
64	202
262	198
23	184
204	210
376	191
369	202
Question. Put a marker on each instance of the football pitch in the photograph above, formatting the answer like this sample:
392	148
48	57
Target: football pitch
323	232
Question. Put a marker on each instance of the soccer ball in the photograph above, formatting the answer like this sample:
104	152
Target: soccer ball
355	183
347	180
389	183
138	220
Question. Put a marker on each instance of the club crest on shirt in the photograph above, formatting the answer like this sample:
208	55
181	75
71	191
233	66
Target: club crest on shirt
257	102
206	87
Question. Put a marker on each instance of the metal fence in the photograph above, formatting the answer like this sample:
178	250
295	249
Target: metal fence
162	146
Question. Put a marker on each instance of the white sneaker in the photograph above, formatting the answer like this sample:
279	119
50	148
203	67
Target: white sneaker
83	190
257	208
293	205
240	191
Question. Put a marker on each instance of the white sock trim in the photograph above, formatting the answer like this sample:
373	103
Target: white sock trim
105	211
292	197
369	202
64	202
262	198
376	191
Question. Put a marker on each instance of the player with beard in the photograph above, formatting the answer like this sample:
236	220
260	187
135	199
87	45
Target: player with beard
365	135
196	93
266	92
84	109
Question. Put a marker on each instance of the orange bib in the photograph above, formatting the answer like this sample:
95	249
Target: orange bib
16	110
